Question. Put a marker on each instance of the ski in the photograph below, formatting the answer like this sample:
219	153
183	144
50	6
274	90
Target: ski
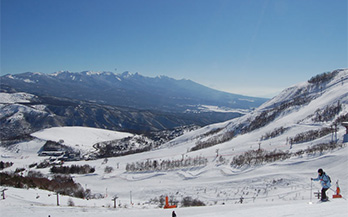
323	201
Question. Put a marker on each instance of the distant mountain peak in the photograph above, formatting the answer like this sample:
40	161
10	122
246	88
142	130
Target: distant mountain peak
126	74
60	72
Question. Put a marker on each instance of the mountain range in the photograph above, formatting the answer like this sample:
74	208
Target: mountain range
127	90
125	102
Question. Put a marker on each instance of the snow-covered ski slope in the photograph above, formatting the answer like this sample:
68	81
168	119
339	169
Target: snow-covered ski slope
281	188
278	189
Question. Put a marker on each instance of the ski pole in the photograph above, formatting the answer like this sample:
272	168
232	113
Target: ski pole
311	191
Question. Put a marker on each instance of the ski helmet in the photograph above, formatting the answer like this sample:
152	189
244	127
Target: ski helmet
320	171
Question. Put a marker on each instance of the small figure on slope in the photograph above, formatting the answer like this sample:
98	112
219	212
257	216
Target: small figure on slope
173	214
325	182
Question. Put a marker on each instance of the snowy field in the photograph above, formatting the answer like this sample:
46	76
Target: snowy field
81	138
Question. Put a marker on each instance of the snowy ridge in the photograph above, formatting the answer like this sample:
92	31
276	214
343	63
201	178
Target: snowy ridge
309	89
12	108
15	98
291	109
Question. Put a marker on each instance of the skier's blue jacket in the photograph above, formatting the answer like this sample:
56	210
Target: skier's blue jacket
324	180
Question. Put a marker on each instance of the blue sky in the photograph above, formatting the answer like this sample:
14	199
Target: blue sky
252	47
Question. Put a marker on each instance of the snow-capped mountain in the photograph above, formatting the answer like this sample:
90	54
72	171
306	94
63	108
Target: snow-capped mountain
128	90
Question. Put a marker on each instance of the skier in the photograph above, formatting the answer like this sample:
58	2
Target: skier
325	183
173	214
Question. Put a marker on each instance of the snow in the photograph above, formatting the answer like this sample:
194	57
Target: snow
10	98
22	154
282	188
82	138
288	198
24	203
28	81
55	74
15	112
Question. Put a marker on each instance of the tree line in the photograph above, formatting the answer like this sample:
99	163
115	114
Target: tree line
73	169
59	183
4	165
165	165
260	156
